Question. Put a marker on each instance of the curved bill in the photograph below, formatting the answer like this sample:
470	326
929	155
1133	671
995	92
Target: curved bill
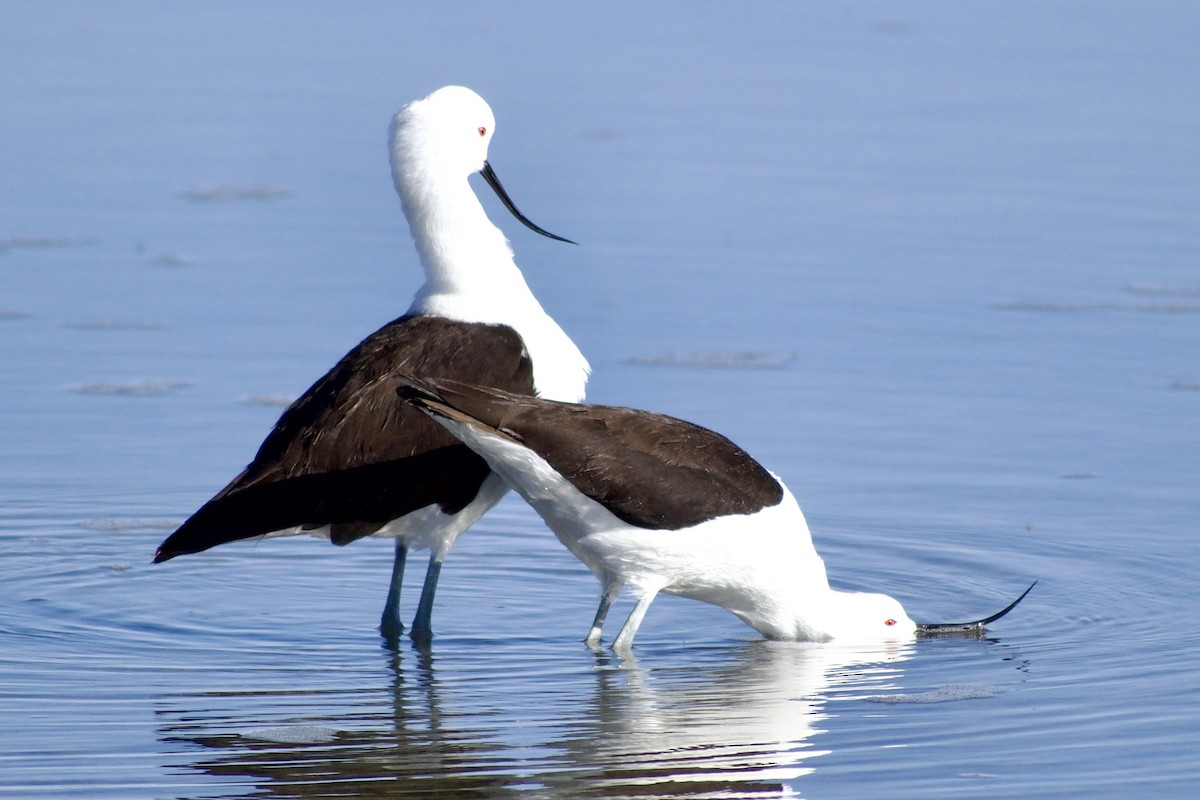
976	627
490	176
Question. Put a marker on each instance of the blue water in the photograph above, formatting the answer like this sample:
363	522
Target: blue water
935	265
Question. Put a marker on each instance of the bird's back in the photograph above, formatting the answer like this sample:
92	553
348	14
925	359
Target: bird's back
649	470
349	454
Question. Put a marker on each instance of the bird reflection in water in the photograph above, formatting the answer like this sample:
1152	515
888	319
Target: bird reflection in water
742	721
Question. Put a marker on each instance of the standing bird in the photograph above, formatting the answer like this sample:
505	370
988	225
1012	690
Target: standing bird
349	459
662	505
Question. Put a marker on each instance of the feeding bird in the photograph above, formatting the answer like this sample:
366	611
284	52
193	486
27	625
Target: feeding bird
348	459
656	504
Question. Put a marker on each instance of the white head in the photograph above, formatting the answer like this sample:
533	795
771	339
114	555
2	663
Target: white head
864	616
444	135
436	143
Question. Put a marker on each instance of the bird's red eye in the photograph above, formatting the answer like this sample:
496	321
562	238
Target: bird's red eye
889	622
482	131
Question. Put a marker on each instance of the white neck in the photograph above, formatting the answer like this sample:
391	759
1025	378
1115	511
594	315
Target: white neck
470	276
782	589
461	250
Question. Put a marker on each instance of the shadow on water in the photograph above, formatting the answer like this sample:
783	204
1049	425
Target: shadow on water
740	721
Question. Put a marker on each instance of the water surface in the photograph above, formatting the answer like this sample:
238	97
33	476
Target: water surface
934	266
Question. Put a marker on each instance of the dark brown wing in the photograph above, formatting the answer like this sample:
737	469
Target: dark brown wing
350	454
649	470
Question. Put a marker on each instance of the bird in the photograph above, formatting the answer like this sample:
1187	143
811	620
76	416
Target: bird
657	504
349	459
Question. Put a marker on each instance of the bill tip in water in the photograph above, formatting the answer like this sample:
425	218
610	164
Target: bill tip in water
973	627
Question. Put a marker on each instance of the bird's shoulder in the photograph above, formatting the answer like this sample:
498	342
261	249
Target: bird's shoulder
352	417
649	469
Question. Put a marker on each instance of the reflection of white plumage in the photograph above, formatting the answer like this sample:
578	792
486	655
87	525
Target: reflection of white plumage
742	721
661	505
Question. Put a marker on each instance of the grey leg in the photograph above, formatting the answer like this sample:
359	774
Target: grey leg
390	624
624	640
422	627
612	587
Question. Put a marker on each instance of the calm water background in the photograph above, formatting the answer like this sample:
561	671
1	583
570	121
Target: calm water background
934	264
